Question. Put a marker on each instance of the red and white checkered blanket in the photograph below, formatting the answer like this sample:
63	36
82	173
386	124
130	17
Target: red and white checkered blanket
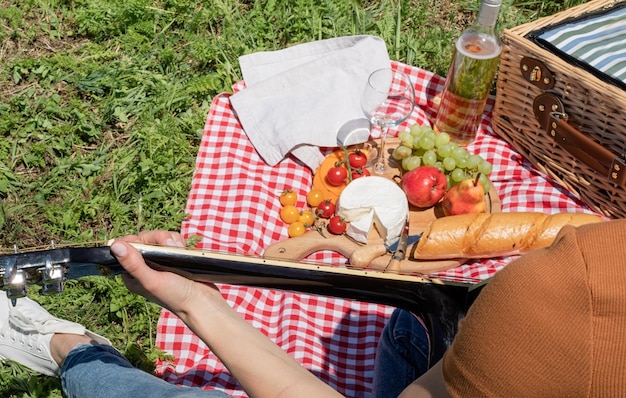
233	205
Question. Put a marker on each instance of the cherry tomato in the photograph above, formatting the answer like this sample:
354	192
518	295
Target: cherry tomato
358	173
326	209
289	214
337	175
337	225
315	197
357	159
307	218
296	229
288	197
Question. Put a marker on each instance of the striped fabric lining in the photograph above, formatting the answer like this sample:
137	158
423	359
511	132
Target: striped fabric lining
599	42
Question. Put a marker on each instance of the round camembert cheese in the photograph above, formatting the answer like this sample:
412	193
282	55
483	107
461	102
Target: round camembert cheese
373	201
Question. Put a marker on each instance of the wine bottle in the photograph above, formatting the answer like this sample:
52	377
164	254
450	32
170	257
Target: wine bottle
470	77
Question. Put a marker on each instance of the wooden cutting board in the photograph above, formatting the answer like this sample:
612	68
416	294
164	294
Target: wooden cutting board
298	248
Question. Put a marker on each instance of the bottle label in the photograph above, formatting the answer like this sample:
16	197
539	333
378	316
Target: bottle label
474	65
468	84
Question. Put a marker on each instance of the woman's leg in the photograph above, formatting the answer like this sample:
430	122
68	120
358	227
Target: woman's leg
100	371
402	354
90	367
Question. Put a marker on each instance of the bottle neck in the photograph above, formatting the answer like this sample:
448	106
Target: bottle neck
488	14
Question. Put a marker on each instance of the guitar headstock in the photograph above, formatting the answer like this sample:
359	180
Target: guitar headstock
50	268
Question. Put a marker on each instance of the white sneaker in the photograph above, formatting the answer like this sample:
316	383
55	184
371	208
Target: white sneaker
26	331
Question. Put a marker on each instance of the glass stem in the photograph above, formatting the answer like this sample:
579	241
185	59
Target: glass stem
381	165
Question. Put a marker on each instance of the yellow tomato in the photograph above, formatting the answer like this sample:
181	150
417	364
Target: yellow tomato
289	214
288	197
307	218
296	229
315	197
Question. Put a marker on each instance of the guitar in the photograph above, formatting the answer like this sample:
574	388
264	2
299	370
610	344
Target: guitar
441	303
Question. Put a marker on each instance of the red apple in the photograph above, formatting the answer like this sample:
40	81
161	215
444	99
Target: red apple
424	186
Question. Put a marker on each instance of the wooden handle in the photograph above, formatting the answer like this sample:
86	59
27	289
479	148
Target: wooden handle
364	255
394	266
296	249
301	246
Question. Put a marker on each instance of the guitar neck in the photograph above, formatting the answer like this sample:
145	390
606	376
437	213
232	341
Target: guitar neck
422	295
406	291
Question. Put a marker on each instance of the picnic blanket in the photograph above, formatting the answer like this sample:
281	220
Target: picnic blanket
233	206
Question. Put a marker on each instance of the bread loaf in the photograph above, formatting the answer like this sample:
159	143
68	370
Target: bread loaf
481	235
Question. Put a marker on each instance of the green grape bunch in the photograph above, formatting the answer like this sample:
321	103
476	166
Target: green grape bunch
422	146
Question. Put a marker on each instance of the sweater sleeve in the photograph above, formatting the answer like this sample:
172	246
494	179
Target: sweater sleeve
551	323
517	330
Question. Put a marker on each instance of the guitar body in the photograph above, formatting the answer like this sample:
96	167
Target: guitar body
441	303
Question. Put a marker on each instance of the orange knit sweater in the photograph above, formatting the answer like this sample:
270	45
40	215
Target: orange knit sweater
551	324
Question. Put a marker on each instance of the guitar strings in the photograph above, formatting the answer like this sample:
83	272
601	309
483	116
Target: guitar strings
51	245
54	245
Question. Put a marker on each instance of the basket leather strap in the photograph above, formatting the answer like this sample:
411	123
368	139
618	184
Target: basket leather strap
551	115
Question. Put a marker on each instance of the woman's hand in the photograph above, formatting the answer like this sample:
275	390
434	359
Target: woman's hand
169	290
260	366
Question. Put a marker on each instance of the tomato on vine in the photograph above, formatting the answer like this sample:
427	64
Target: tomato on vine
325	209
288	197
307	218
315	197
337	175
358	173
357	159
337	225
296	229
289	214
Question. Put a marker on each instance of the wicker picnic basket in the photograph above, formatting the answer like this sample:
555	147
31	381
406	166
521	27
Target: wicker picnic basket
567	121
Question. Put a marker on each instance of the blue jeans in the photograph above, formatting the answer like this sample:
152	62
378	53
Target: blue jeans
100	371
402	354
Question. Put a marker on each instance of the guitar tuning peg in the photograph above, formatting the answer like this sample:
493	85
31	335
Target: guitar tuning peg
52	278
14	282
16	290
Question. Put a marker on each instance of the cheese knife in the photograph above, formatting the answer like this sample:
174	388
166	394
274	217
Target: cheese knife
364	255
400	253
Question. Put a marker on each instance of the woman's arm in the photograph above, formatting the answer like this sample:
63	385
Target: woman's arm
259	365
429	385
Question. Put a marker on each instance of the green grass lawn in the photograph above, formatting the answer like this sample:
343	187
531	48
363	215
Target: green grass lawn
102	105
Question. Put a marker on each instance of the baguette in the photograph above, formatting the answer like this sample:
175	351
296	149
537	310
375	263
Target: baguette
482	235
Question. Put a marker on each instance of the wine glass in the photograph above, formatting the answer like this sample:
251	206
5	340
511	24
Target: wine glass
387	100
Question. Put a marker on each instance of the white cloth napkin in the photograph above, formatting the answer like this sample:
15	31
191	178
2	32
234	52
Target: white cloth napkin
296	99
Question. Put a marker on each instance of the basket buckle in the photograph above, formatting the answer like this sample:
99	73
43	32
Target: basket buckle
536	73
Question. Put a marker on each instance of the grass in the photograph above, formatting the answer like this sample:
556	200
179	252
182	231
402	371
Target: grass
102	104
